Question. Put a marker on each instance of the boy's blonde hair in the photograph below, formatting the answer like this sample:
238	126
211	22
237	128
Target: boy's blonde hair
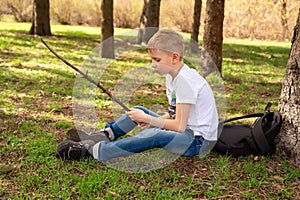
167	40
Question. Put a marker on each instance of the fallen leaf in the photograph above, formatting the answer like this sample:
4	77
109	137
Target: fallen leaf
279	178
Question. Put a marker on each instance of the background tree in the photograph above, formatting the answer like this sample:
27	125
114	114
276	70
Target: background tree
289	104
149	21
213	30
41	18
195	26
284	19
107	29
142	23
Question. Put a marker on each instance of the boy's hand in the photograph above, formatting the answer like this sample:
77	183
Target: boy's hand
139	116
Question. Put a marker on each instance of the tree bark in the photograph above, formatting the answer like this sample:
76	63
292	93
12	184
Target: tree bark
195	26
41	18
213	30
284	19
107	29
149	21
143	20
288	142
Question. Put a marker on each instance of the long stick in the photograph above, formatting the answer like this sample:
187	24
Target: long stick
87	77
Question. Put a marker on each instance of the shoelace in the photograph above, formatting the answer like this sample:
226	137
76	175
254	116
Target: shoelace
78	147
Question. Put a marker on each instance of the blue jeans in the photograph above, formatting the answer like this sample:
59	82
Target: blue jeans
179	143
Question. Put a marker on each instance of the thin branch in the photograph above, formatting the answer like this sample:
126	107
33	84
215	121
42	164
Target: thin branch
87	77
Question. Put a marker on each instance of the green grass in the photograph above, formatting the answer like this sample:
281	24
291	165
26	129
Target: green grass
36	111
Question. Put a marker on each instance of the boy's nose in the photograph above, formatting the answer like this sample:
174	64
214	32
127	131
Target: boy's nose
153	65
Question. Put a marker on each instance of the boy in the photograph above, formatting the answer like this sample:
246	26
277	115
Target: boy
191	123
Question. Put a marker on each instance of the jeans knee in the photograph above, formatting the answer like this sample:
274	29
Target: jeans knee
149	112
140	108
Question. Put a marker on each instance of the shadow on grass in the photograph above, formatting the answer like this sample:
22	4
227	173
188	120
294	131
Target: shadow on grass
240	54
29	140
45	81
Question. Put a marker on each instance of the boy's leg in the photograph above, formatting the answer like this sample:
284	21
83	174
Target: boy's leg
112	130
171	141
179	143
124	124
69	149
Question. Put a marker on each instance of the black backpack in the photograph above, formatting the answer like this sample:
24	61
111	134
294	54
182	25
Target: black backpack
242	140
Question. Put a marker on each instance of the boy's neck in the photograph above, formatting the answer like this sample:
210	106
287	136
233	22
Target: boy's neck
177	69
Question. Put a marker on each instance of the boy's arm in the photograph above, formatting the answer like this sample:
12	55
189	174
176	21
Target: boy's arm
165	116
144	125
178	124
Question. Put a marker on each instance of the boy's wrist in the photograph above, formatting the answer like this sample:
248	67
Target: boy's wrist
148	119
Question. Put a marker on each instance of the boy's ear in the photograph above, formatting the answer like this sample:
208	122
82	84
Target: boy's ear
175	57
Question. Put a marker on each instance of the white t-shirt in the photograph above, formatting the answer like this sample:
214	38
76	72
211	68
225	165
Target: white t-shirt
191	88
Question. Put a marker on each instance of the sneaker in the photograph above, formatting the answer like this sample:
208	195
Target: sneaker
71	150
78	135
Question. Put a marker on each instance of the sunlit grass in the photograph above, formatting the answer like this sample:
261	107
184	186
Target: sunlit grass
36	111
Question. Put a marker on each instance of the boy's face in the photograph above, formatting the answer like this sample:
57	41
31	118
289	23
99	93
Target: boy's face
161	61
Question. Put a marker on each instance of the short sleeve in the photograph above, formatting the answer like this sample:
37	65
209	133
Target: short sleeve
185	91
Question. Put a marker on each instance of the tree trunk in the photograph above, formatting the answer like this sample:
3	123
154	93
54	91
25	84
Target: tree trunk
195	27
41	18
149	21
284	20
213	30
289	105
107	29
143	20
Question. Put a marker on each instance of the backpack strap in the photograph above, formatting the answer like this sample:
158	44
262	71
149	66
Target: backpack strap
268	106
267	109
259	136
242	117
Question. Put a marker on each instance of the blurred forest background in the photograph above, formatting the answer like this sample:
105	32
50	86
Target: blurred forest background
251	19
